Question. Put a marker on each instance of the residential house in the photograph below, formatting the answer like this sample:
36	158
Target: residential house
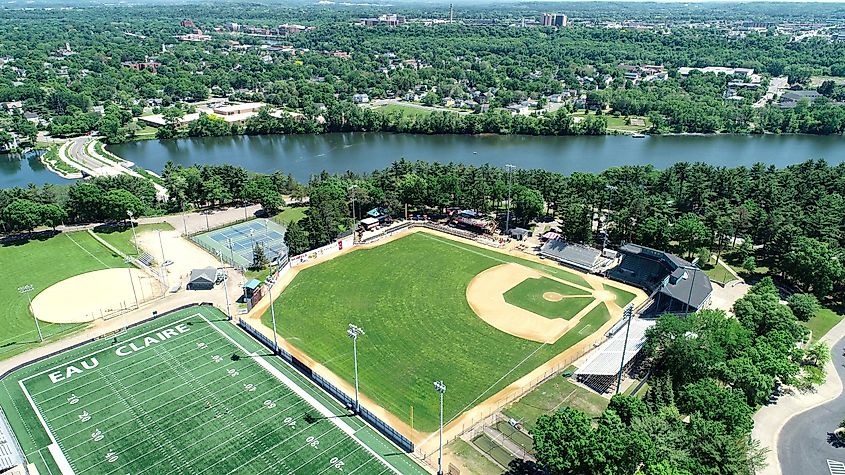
360	98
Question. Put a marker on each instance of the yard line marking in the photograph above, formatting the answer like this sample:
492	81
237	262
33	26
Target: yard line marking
304	395
109	347
349	454
237	469
61	461
835	467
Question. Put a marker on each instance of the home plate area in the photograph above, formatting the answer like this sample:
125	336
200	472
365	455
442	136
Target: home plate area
185	397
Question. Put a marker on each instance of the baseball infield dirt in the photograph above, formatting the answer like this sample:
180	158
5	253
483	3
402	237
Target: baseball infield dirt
86	297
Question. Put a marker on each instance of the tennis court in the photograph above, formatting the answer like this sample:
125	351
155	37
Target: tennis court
235	243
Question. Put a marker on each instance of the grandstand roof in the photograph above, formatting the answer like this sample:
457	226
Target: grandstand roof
606	360
573	254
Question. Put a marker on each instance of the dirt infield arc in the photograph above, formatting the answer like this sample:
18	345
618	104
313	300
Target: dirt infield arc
86	297
485	295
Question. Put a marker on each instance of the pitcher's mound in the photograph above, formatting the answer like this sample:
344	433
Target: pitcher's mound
552	296
93	295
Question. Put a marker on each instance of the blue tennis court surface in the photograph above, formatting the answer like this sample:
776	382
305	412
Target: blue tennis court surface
235	243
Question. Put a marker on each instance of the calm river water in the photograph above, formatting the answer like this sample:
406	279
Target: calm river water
305	155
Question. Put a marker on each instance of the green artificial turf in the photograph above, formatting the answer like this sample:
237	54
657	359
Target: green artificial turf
528	294
409	296
204	398
42	263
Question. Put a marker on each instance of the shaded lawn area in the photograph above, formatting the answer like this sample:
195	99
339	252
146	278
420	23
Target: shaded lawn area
42	263
528	294
822	322
409	295
289	215
121	236
718	273
493	450
548	397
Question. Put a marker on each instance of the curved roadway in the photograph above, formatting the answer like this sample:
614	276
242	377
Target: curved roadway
806	442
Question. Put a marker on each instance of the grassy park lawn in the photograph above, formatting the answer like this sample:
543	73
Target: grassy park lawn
822	322
528	294
404	110
289	215
619	123
409	295
548	397
121	236
42	263
718	273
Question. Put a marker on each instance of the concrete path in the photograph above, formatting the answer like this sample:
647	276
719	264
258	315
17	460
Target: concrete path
798	445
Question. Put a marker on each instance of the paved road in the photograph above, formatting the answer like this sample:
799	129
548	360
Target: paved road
805	445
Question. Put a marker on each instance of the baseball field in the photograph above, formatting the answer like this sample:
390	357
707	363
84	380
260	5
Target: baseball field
42	263
185	393
435	308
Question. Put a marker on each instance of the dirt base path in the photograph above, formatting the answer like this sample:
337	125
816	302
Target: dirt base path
93	295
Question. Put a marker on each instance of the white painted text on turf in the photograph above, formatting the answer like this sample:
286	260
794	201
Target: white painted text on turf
123	350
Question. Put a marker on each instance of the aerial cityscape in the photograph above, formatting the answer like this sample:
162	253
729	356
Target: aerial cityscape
465	238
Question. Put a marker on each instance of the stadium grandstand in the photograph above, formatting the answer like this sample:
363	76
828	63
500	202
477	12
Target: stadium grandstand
11	456
675	285
581	257
601	370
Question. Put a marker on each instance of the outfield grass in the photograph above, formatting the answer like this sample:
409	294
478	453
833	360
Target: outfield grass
528	294
822	322
121	237
186	393
623	297
548	397
409	295
42	263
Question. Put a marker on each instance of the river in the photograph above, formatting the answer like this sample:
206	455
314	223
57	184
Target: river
305	155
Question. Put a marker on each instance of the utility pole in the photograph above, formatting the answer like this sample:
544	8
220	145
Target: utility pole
508	219
134	237
273	317
629	314
354	331
26	289
131	280
162	267
441	389
225	284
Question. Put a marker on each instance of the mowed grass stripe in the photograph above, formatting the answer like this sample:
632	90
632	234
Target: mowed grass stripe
167	429
410	297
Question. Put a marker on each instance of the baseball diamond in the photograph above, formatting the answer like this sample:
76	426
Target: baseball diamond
412	295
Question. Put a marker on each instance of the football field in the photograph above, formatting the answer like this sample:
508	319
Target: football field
186	393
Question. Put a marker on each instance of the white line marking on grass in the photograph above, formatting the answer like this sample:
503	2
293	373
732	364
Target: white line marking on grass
58	456
304	395
87	251
47	465
109	347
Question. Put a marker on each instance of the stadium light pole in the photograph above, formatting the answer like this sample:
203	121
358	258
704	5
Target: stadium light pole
273	317
225	284
354	331
441	389
131	280
163	260
510	180
134	237
629	314
26	289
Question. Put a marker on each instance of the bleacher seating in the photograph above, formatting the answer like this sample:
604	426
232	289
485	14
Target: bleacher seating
574	255
641	271
10	454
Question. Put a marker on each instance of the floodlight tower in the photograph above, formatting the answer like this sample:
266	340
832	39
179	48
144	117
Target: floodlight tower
441	389
629	314
353	332
134	237
510	180
273	316
26	289
131	280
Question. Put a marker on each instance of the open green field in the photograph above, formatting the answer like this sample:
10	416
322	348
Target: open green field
528	294
121	237
822	322
409	295
289	215
548	397
42	263
410	111
185	393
